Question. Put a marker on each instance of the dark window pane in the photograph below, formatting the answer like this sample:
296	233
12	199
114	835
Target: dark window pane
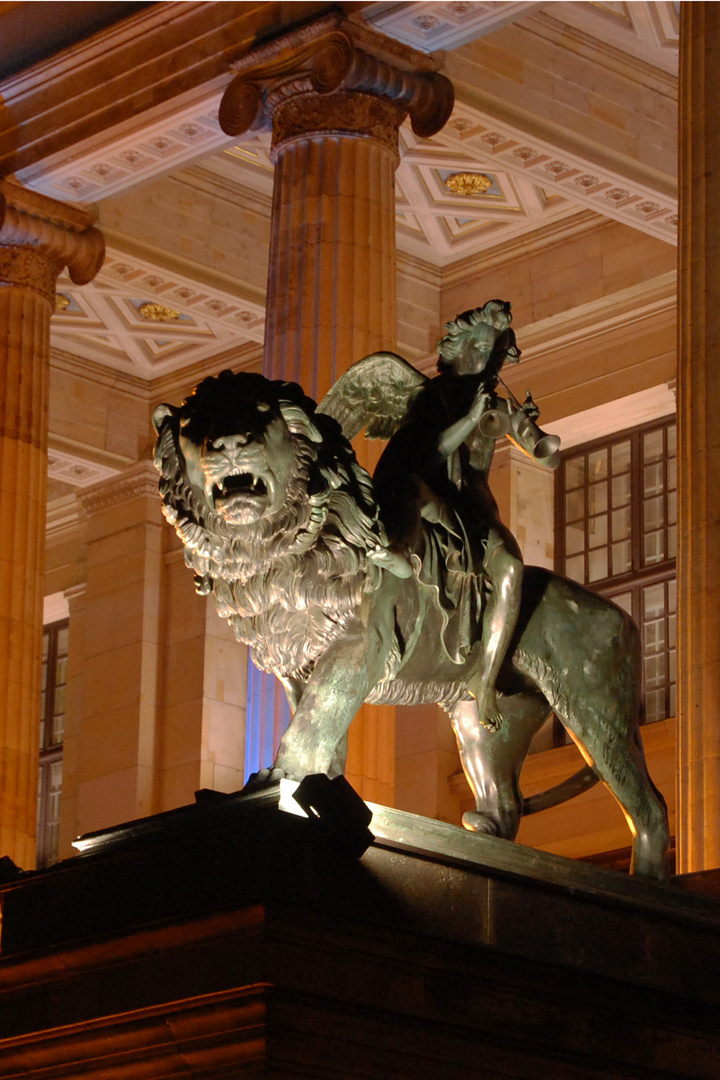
575	568
575	505
597	498
621	557
597	465
653	449
575	472
597	564
621	490
621	523
621	457
574	539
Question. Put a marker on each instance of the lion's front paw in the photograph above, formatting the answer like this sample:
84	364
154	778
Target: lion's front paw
263	778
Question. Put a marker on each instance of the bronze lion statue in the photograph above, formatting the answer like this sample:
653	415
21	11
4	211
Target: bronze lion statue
282	526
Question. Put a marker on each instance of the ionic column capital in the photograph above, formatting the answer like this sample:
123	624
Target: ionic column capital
39	236
323	77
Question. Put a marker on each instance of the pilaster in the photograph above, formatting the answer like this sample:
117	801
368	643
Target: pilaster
117	762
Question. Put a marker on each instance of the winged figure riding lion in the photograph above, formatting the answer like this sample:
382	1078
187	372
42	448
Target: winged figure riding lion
405	588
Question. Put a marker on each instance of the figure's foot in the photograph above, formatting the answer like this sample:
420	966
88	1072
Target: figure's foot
263	778
392	561
488	712
474	821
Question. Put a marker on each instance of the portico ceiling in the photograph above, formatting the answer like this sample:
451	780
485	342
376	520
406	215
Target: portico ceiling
143	316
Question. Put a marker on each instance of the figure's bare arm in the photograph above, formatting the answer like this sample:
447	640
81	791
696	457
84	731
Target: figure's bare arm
455	435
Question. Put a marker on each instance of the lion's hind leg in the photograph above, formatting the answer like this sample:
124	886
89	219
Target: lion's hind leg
609	740
492	760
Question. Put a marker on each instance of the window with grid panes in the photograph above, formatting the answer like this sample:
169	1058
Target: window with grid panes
616	525
52	727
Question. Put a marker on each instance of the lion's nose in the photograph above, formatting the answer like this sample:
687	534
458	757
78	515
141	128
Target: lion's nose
231	442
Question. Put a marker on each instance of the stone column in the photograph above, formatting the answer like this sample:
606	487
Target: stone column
38	237
334	94
698	712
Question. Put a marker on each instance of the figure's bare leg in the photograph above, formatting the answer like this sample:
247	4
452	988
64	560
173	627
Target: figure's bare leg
504	568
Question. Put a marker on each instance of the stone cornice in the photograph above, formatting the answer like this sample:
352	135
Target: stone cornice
180	383
590	326
621	312
63	515
522	247
546	25
139	481
133	385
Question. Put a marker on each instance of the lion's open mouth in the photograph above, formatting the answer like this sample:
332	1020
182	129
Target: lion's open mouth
244	483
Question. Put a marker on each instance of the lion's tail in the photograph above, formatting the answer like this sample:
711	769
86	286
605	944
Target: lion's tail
580	781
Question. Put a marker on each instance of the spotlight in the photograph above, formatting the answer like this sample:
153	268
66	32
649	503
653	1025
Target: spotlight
337	812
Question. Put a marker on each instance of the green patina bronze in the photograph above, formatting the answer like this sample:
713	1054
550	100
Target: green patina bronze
406	588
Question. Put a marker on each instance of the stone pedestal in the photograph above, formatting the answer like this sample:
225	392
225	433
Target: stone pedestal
38	237
698	685
230	938
334	94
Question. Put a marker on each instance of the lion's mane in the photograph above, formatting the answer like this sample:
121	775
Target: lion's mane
290	582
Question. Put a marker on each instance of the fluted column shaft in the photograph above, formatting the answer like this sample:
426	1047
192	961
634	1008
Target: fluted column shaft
25	333
332	278
335	94
698	719
37	238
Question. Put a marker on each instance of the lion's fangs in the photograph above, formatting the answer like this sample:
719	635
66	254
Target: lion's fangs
239	484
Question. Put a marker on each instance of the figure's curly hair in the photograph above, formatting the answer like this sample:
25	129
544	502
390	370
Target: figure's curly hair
470	328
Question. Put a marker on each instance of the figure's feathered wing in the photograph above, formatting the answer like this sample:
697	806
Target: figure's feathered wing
375	394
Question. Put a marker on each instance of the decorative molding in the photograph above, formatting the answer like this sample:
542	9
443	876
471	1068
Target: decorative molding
543	238
497	144
655	299
63	515
163	57
104	320
77	470
75	593
137	482
587	324
122	162
648	32
341	113
28	269
433	26
467	183
618	415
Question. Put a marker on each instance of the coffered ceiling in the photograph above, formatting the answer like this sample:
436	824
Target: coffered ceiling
527	168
